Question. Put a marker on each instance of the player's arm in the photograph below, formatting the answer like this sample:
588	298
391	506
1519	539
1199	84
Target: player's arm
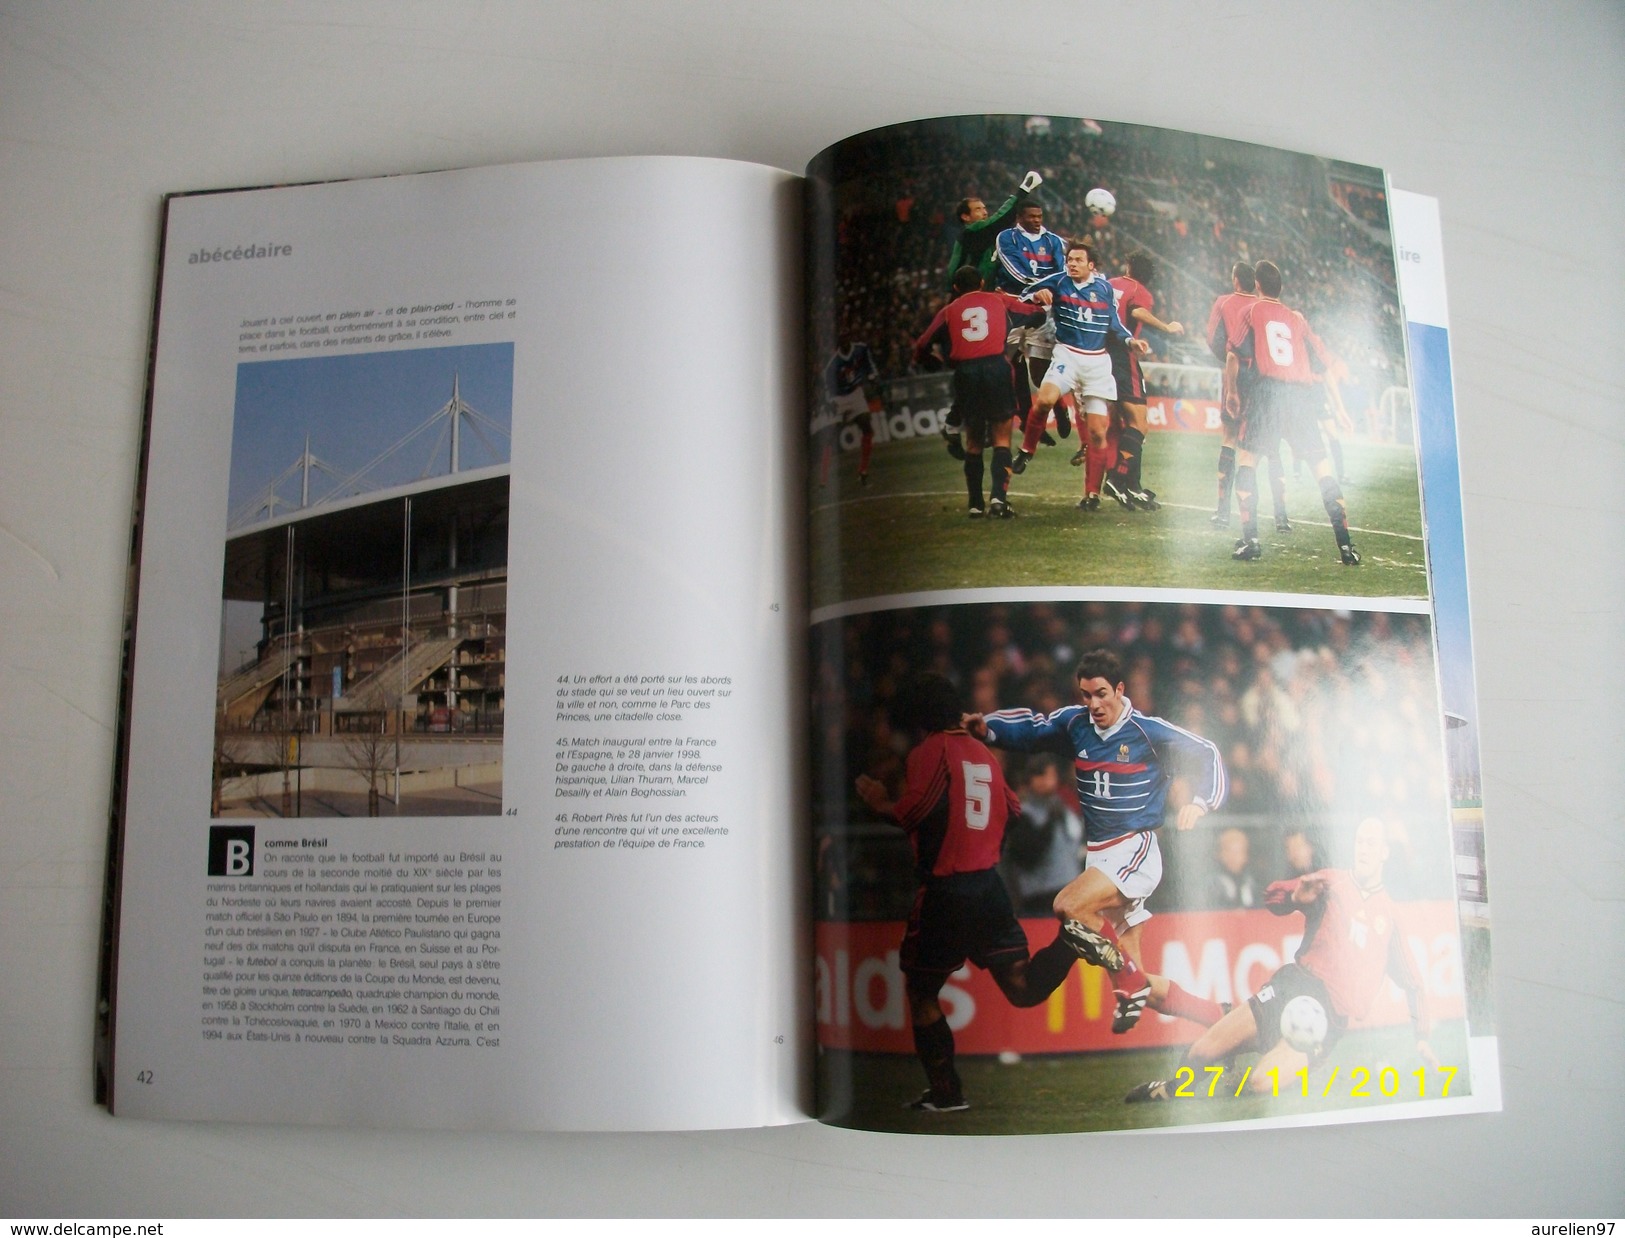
935	336
1295	893
873	793
1217	332
1000	219
867	372
1024	731
1140	314
1116	327
1042	291
832	377
1021	312
1009	251
1199	759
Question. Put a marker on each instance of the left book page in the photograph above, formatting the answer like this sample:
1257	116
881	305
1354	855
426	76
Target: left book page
458	776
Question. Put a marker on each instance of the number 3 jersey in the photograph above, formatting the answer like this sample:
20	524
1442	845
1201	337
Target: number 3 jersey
955	805
974	325
1124	771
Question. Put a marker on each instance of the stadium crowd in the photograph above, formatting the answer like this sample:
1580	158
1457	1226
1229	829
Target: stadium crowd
1322	718
1196	205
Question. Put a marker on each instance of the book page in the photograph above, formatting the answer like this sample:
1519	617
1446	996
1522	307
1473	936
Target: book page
460	786
1137	802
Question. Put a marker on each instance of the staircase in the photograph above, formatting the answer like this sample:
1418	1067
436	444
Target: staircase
382	688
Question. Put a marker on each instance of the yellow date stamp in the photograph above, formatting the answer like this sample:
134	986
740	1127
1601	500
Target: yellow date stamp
1360	1083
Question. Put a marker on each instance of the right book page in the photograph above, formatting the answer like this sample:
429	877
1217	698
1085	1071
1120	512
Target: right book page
1144	777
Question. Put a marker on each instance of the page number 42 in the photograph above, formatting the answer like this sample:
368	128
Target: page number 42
143	1076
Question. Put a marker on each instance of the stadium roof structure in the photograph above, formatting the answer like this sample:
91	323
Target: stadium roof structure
355	544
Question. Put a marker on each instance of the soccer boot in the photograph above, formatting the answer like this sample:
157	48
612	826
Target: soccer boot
976	511
1130	1006
863	479
929	1102
1078	457
1089	504
1000	509
1046	438
1112	490
1018	466
1090	946
1157	1089
1351	556
1219	520
1145	500
955	446
1247	550
1063	421
1282	524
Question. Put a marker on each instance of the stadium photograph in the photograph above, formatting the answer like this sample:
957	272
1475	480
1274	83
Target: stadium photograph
1066	352
1116	864
362	662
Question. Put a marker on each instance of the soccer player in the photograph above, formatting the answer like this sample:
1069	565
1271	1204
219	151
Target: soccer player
845	372
1124	762
1134	303
1353	936
1287	358
979	230
1225	322
1085	313
954	808
1028	253
971	330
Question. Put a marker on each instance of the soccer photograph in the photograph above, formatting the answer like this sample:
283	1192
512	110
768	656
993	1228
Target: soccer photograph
1117	864
362	664
1049	351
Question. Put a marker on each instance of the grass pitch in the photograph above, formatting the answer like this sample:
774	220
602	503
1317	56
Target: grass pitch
1084	1092
907	531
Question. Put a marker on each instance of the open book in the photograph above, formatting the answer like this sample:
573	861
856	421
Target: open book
941	644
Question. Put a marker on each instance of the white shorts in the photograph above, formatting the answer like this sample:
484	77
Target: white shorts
852	405
1086	375
1036	341
1134	865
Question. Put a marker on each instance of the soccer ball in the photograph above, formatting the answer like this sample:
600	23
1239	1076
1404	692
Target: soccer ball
1303	1024
1100	201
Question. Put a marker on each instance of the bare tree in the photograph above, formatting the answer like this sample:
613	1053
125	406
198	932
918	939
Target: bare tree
369	753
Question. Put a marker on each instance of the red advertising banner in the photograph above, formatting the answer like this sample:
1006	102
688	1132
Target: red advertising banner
1224	956
1167	413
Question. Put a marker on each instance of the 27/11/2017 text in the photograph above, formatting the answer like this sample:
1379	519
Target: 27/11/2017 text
1357	1085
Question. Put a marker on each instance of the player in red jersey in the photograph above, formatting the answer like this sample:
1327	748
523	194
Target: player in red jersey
971	329
1134	303
1224	324
954	808
1289	361
1353	938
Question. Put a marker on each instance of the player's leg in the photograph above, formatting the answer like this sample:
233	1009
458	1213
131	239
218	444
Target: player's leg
1227	468
1233	1033
973	471
1000	945
1306	444
1247	546
1167	997
1093	908
1038	366
1049	393
866	440
1278	488
1000	433
1127	477
1334	445
933	1044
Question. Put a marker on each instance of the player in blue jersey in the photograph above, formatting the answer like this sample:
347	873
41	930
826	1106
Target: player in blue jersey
1125	762
1026	254
848	368
1084	309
